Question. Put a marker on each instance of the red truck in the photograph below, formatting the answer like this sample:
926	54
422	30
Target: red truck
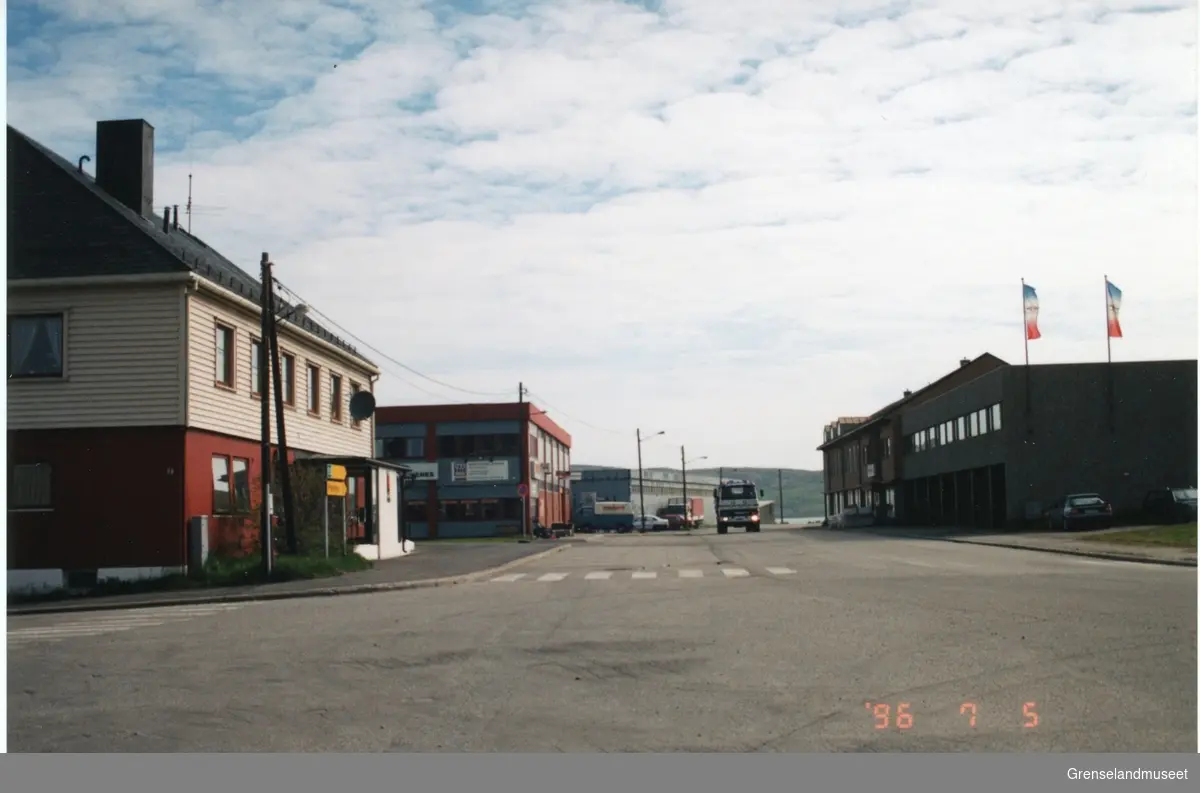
679	515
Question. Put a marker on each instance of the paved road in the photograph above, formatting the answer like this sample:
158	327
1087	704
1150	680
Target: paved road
769	642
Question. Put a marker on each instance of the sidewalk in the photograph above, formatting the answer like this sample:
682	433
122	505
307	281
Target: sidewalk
431	564
1070	543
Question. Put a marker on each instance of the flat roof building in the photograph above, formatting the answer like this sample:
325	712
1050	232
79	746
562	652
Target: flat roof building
996	447
469	463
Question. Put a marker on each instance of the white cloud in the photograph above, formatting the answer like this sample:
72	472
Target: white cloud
733	221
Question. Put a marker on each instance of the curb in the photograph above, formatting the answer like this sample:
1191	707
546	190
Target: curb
1112	556
250	597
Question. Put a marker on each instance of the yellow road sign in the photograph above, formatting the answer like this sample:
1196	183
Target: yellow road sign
335	473
336	489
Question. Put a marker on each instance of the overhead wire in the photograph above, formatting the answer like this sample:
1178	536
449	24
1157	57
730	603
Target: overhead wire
325	320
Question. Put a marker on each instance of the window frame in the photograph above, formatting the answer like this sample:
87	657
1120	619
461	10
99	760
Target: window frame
48	505
63	317
996	419
238	506
287	373
227	379
313	382
336	398
354	389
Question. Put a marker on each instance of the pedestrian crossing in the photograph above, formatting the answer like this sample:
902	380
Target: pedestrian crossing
721	573
99	623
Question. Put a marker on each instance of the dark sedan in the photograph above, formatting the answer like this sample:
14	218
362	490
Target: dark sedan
1170	505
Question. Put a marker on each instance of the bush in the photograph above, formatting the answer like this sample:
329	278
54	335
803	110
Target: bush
308	494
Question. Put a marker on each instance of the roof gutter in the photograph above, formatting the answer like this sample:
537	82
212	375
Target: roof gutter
249	305
148	279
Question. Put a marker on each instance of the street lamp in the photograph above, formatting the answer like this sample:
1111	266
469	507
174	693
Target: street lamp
641	483
683	462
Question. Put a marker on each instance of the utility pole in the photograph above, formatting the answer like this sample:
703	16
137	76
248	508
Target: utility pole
641	486
683	467
285	478
781	520
264	348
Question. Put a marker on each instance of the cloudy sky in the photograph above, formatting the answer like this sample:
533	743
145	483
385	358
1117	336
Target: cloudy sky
731	221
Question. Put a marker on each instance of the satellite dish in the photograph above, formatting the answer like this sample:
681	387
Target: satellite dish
362	405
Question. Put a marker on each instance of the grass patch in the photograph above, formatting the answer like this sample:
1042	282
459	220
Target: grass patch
1180	535
220	572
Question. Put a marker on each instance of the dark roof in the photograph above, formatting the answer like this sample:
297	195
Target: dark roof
886	413
62	225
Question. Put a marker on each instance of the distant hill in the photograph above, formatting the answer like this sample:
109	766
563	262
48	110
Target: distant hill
802	490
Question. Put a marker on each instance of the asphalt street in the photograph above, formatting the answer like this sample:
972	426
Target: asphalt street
787	640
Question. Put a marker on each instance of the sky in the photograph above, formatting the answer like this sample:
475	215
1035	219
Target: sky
727	222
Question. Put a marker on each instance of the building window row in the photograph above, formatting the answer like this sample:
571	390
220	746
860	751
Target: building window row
971	425
400	448
468	510
485	445
226	375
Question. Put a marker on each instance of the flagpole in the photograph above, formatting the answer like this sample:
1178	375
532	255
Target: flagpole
1107	332
1025	322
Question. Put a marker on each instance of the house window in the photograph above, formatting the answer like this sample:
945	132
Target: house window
258	370
225	355
35	345
961	431
231	485
314	390
335	397
287	373
996	416
983	416
974	424
354	389
29	486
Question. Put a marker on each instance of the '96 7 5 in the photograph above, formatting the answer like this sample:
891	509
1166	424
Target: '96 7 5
901	717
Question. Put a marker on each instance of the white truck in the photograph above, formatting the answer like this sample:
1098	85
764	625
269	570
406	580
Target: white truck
737	505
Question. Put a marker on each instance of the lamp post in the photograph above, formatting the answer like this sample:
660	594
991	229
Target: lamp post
683	461
641	483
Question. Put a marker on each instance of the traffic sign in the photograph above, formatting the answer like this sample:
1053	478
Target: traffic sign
336	489
522	490
335	473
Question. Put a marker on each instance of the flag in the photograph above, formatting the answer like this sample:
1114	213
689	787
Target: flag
1031	313
1114	310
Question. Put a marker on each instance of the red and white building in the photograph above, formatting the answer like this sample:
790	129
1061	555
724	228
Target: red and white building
134	391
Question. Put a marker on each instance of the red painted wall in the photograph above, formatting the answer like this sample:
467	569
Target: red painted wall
118	499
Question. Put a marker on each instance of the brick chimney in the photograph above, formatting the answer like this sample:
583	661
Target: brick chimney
964	362
125	163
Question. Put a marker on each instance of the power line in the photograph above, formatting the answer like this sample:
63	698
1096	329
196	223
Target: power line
326	320
576	419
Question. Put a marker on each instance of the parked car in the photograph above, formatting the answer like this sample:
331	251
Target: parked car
650	523
1079	511
1170	505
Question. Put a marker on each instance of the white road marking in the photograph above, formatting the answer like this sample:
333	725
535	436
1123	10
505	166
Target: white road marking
115	622
509	578
781	571
691	573
600	575
553	577
643	574
734	572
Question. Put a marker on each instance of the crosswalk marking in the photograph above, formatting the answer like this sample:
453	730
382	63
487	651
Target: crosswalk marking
109	622
643	575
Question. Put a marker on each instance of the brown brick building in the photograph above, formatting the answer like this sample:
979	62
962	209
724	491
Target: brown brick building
863	457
